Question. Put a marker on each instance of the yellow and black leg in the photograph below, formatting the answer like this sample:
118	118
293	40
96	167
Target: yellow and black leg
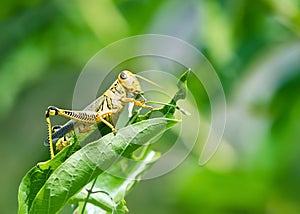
88	117
50	111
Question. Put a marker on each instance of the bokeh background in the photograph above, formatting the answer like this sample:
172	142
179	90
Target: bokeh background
253	45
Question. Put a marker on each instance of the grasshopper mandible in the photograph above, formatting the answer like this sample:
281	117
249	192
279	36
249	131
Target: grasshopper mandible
102	109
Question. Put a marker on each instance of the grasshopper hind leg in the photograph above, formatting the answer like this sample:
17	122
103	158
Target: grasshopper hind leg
88	117
50	111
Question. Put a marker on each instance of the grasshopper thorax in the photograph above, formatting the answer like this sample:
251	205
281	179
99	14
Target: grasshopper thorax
129	81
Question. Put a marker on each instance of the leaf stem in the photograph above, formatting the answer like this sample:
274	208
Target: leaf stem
88	195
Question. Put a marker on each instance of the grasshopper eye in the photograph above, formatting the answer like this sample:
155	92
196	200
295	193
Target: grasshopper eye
123	75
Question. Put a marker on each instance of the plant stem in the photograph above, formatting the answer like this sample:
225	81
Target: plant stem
88	195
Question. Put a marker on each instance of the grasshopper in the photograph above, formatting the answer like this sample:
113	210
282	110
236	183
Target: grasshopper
105	109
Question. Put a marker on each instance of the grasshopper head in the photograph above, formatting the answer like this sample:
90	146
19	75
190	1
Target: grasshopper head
129	81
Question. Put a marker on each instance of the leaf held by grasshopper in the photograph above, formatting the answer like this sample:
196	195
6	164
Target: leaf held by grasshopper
105	109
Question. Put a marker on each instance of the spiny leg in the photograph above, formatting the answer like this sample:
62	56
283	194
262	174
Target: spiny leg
48	113
79	116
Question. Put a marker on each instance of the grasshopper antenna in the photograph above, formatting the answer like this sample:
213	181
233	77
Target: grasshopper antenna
149	81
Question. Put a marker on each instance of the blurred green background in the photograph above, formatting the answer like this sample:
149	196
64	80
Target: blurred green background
254	47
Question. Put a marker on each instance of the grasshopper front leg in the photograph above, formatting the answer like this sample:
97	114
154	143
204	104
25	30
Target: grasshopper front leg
89	117
140	103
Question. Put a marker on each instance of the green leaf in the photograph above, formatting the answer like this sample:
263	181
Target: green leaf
182	86
38	175
110	189
84	165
